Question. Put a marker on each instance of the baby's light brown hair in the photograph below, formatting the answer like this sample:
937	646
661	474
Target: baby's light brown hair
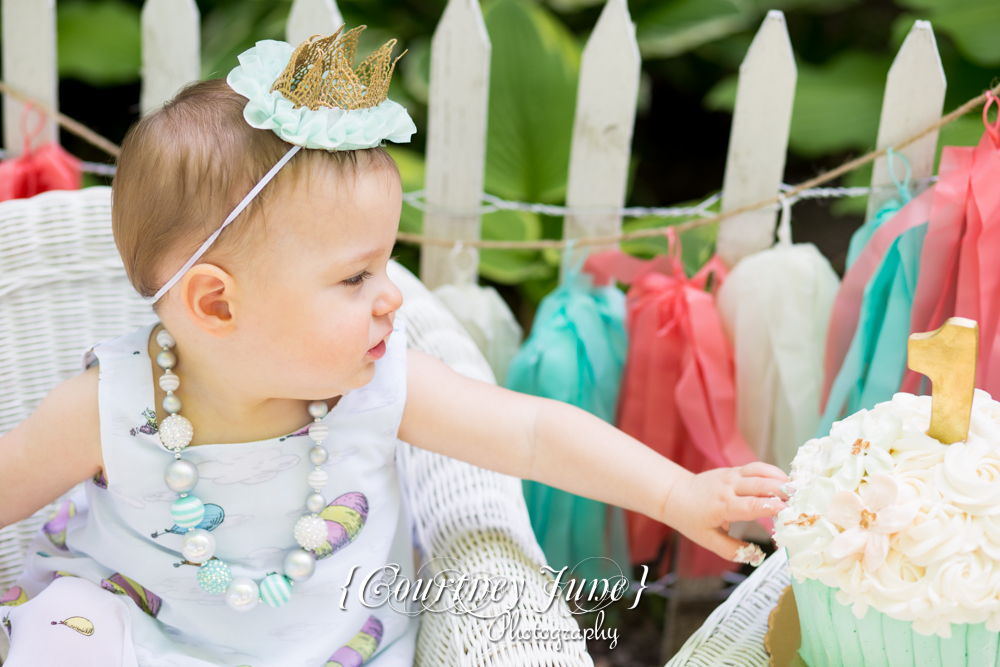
184	167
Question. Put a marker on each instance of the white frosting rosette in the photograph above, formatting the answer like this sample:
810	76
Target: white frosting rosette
330	129
895	520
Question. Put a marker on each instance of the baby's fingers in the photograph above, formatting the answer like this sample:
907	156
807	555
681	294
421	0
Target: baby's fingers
731	548
750	508
759	486
758	469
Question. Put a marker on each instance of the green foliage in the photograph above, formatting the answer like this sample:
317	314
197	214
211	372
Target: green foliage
669	28
972	24
697	245
533	76
411	175
98	41
534	69
690	47
511	267
230	28
837	105
502	266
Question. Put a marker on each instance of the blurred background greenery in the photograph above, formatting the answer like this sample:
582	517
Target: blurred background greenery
691	52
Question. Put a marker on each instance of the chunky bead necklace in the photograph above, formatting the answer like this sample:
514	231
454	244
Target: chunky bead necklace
198	545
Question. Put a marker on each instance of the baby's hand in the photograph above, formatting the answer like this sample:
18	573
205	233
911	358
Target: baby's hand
702	506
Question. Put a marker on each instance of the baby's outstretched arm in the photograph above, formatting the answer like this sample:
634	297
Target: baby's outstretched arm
568	448
52	450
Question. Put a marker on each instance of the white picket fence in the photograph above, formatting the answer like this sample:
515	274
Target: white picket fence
456	132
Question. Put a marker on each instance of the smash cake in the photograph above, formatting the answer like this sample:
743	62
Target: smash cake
893	538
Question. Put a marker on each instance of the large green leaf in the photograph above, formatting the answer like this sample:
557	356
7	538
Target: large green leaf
533	76
416	69
677	26
99	41
230	28
837	105
567	6
972	24
512	266
666	28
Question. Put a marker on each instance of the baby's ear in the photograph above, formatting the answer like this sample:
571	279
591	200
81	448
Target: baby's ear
208	296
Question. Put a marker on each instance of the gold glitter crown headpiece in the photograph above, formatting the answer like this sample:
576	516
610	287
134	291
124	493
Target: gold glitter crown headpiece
321	73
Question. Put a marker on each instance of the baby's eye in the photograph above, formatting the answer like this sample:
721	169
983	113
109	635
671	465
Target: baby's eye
358	279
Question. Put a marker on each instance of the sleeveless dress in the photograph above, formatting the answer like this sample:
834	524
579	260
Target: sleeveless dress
106	584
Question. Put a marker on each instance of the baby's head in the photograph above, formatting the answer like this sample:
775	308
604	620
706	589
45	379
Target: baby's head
299	278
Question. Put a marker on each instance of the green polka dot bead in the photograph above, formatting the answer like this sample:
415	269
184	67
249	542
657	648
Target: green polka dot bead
214	577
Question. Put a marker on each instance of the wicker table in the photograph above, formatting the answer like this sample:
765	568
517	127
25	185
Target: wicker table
734	633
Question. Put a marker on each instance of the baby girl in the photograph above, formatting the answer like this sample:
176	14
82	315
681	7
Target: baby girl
268	400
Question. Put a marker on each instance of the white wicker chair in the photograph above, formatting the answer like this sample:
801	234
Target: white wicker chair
63	288
733	636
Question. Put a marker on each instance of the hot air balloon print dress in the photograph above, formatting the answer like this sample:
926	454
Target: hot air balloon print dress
107	568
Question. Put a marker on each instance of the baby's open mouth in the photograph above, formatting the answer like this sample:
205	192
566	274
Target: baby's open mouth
378	350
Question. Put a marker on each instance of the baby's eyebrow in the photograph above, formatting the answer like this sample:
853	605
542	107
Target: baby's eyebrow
363	257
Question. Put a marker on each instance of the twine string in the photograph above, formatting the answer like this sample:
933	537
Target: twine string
70	125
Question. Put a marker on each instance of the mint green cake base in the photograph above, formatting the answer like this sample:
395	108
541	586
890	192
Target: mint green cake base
832	636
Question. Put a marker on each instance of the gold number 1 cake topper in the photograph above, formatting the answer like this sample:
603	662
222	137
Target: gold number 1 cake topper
948	357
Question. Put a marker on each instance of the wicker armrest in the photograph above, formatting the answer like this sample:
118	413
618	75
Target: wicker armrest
474	519
734	634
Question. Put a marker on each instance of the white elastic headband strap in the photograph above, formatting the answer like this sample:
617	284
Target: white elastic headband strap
232	216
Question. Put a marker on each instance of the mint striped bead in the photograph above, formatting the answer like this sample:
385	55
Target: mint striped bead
275	590
187	512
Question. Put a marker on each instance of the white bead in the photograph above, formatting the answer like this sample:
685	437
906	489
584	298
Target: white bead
243	594
316	503
164	339
171	404
318	479
176	432
310	532
318	431
166	359
198	545
318	409
318	455
299	565
181	476
169	382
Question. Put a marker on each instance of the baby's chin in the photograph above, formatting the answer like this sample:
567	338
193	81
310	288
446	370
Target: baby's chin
364	375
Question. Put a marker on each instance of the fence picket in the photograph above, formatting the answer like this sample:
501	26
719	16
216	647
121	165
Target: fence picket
456	132
311	17
602	128
914	98
758	142
29	66
171	49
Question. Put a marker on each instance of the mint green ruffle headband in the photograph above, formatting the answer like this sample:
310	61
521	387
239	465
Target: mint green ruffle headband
330	129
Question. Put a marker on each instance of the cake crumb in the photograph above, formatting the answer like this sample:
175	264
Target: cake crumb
749	553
